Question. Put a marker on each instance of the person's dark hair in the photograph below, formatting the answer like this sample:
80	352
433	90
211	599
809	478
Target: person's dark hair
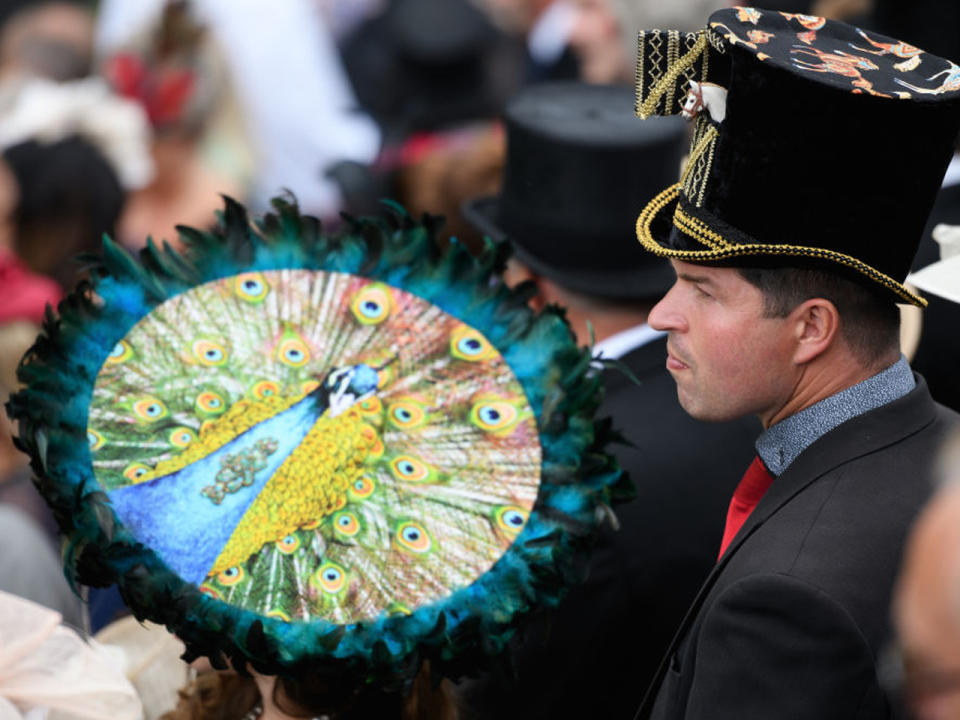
69	196
869	322
227	696
310	696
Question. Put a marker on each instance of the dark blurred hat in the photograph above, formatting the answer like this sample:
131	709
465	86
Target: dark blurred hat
806	130
579	168
425	65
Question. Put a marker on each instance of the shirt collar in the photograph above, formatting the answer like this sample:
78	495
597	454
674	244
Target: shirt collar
619	344
952	175
780	444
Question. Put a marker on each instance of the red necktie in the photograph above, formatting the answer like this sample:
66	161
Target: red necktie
755	482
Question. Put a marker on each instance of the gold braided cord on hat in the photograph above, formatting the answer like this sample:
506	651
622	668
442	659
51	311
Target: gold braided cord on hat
704	144
666	85
721	249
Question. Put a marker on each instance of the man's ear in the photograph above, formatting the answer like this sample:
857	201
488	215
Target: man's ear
816	326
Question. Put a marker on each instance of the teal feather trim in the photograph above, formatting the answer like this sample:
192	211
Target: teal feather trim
579	479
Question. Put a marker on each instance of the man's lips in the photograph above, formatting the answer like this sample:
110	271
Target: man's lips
674	362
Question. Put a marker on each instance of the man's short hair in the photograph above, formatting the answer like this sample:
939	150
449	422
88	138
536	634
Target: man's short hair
869	322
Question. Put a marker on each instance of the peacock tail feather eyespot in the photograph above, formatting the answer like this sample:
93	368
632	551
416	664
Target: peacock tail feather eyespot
231	576
181	437
414	537
409	468
137	472
407	413
289	544
150	409
494	414
362	488
264	389
331	578
371	406
121	353
467	343
372	304
210	403
251	287
346	523
209	353
210	592
511	518
292	350
308	386
95	440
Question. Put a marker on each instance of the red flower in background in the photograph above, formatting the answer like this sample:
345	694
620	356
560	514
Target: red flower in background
163	92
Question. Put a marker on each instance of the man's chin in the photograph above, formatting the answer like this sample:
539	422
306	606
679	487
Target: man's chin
696	408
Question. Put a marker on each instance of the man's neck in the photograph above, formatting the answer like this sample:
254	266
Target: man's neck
780	444
818	381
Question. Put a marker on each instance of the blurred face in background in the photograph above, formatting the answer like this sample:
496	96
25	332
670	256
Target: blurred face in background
597	40
927	610
52	40
514	16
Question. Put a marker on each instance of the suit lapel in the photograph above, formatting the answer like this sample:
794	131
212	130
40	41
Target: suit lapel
857	437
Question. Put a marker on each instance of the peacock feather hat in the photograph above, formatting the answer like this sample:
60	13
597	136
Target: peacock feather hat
317	453
815	144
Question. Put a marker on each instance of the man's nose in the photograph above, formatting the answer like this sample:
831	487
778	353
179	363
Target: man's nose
664	315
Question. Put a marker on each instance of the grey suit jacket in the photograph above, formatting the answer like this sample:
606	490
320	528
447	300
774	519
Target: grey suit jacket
791	622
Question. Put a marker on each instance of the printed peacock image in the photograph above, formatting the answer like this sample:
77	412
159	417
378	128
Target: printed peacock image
302	442
289	445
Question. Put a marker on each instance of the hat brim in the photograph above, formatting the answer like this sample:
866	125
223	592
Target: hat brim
637	283
664	212
940	278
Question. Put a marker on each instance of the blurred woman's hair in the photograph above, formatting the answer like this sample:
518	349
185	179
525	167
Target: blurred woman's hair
227	696
175	71
69	196
215	696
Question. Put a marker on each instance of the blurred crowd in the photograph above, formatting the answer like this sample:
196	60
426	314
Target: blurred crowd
127	118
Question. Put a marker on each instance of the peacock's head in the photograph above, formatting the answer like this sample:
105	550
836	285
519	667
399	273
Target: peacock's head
348	385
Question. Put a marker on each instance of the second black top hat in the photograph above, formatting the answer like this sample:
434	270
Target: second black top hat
579	167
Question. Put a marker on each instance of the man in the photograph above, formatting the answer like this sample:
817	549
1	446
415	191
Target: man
927	607
577	164
790	246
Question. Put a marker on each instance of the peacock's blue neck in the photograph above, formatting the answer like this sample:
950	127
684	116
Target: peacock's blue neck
188	515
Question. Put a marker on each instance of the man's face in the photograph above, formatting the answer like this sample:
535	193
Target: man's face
727	358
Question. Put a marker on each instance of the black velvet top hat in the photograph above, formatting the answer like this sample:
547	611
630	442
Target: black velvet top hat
579	167
815	144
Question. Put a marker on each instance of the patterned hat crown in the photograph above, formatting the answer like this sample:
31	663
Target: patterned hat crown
815	144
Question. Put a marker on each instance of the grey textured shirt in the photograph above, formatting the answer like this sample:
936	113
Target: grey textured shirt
780	444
